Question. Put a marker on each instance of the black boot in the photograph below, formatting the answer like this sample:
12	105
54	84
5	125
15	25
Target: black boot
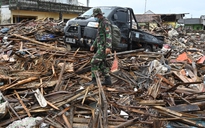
107	81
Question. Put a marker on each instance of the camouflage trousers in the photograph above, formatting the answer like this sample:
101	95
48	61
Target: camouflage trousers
98	63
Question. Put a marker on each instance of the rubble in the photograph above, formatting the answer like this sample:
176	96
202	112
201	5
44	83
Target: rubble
40	78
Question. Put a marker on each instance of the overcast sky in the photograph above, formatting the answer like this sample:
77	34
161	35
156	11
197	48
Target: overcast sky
195	8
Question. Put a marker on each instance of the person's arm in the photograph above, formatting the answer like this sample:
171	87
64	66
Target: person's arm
94	45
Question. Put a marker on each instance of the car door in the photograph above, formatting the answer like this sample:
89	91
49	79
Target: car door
121	18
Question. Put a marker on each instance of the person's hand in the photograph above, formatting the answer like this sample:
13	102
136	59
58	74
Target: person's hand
107	50
92	48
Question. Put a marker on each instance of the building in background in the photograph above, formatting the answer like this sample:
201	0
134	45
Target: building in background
148	20
194	23
14	11
151	20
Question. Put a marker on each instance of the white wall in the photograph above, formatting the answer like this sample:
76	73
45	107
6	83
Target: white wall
75	2
5	14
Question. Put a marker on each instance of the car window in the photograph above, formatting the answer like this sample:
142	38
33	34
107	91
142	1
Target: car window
122	16
105	10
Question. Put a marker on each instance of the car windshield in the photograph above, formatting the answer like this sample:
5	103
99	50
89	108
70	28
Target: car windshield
105	10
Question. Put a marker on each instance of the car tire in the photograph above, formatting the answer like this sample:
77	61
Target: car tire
148	48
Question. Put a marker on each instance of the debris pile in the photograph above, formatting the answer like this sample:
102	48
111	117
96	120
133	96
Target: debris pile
44	83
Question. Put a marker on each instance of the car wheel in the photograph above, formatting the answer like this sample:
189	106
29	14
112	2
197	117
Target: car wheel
148	48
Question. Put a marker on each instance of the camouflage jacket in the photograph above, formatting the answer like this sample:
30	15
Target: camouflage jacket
104	37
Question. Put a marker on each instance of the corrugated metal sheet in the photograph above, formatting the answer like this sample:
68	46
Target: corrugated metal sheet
192	21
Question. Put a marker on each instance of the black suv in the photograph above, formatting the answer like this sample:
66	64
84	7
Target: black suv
81	31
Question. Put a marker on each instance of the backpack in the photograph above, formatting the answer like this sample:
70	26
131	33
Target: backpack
116	36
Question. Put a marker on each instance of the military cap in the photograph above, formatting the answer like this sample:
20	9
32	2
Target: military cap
97	11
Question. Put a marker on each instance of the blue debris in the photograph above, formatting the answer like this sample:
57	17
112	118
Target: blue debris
45	37
4	30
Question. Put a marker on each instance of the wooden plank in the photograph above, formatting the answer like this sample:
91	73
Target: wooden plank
181	77
66	121
152	102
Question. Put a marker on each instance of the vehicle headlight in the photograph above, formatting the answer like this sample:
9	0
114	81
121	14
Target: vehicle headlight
93	24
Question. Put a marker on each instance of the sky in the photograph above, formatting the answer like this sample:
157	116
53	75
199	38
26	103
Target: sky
195	8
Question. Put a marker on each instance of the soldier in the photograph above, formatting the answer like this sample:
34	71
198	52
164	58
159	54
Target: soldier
103	44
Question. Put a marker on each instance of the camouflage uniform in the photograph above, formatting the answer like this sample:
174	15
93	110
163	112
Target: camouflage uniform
102	41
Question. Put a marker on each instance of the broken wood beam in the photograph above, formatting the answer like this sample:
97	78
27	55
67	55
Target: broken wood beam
23	105
40	43
152	102
126	52
66	121
5	87
75	96
103	101
57	87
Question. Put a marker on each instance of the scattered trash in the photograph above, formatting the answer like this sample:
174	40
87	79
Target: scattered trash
28	122
3	108
41	100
